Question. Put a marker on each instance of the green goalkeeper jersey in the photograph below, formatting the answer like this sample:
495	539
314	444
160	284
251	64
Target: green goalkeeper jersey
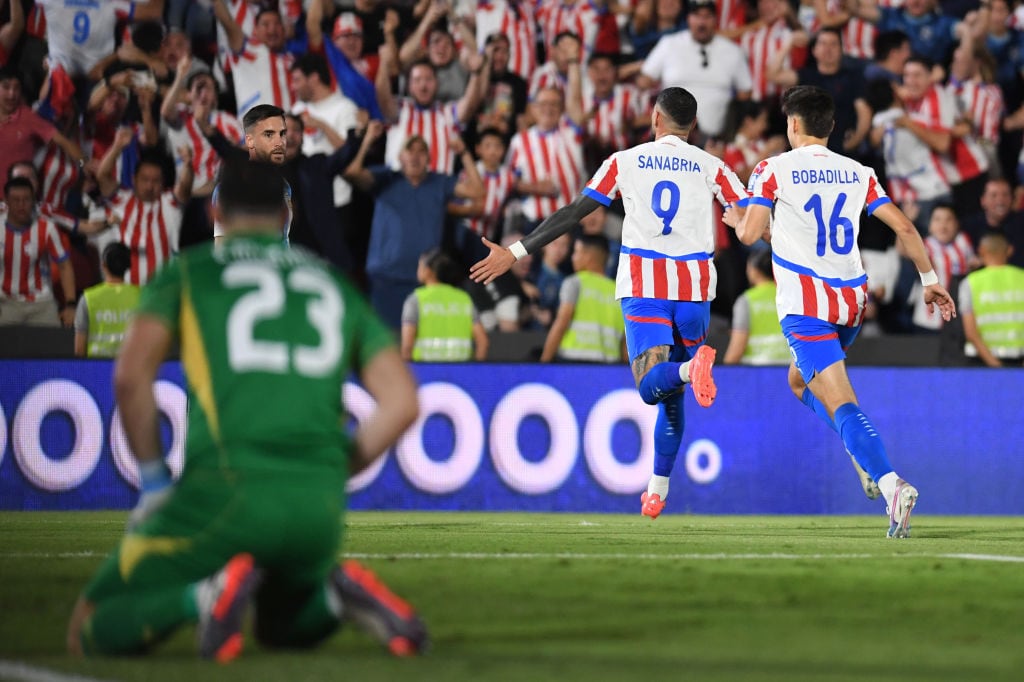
268	335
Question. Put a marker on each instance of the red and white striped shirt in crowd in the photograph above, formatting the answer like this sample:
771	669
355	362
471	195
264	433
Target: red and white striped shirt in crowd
581	17
261	76
857	35
949	260
27	253
149	229
731	14
205	159
817	197
515	20
612	117
556	155
743	153
982	105
498	186
761	45
547	76
58	173
244	13
668	187
938	110
434	124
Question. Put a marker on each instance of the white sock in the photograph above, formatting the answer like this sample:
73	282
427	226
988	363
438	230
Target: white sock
887	484
658	485
684	372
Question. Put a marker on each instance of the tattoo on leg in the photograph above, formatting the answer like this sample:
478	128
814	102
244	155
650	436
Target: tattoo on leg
648	359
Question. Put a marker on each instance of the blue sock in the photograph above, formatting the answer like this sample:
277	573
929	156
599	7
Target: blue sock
862	441
660	382
668	434
810	401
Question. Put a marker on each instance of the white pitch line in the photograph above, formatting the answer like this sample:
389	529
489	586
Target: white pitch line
771	556
22	672
50	555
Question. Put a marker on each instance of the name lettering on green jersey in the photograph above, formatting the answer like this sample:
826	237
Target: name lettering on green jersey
324	311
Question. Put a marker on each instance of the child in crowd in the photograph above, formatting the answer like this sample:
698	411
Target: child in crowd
953	257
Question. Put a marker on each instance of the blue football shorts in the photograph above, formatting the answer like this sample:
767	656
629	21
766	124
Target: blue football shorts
816	344
650	322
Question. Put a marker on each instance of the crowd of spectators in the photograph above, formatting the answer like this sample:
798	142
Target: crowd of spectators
414	125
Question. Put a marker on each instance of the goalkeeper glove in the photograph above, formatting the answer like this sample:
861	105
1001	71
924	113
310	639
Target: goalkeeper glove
157	487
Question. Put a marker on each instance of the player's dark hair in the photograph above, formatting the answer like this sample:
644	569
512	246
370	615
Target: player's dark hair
679	105
250	188
812	105
117	258
15	183
442	265
887	41
597	242
761	260
260	112
311	63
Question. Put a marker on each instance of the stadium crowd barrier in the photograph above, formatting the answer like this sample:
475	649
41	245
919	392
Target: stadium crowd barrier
564	438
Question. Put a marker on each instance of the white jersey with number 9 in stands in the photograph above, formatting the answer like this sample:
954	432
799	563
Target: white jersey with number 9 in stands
817	196
668	235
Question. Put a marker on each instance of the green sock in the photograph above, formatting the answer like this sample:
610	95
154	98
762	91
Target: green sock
131	623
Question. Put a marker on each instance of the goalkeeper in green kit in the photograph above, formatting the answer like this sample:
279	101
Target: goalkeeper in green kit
268	335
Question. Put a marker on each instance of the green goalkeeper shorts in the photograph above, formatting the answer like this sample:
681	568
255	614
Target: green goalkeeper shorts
290	523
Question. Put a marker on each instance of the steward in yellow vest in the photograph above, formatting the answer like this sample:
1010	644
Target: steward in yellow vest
105	310
439	322
588	326
756	337
992	306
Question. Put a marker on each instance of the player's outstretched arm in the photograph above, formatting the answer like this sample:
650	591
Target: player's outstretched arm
501	258
392	386
934	293
750	225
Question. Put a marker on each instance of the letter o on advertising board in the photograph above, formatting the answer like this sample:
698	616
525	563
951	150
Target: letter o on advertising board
57	395
426	474
703	471
534	478
3	434
360	405
613	475
170	400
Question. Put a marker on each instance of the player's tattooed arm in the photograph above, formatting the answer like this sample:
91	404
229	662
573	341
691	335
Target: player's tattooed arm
560	222
643	363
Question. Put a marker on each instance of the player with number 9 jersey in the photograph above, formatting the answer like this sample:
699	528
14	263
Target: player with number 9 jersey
817	197
259	320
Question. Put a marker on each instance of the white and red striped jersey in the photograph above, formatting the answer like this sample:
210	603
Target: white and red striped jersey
81	34
58	173
244	13
261	76
982	105
27	253
938	110
516	21
914	172
498	187
556	155
57	215
817	196
949	260
731	14
668	235
547	76
149	229
857	35
761	45
433	124
581	17
205	160
743	153
612	117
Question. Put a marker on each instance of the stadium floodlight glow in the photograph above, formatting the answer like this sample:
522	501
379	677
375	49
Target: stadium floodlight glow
612	474
540	400
703	461
57	395
429	475
360	405
170	400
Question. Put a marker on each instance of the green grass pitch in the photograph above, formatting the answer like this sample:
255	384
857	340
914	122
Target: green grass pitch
598	597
